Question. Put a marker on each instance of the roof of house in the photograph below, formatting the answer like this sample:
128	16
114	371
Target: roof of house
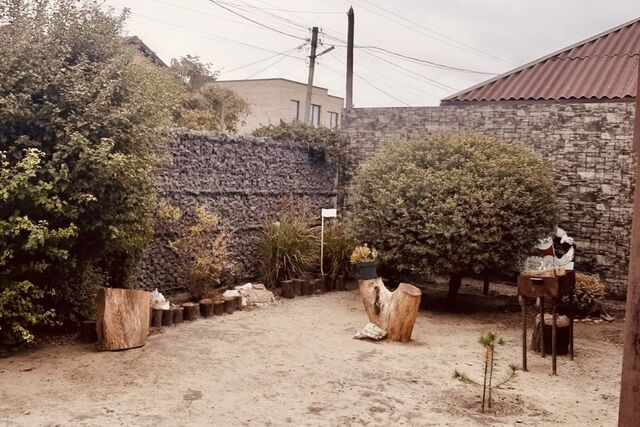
145	50
601	68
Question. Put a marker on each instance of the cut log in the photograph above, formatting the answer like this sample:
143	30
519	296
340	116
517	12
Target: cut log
340	283
297	286
178	315
239	306
218	308
191	310
396	311
308	286
288	289
167	317
122	318
156	318
229	306
563	334
88	331
206	307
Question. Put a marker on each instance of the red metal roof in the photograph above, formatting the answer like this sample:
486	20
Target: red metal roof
601	68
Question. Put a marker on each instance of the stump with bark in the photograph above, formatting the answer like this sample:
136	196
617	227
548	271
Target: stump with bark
288	289
206	307
218	308
190	311
340	286
563	335
307	287
122	320
178	315
297	286
229	306
238	300
395	311
167	317
156	317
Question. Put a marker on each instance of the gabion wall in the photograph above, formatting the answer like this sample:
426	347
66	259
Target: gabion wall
587	146
246	181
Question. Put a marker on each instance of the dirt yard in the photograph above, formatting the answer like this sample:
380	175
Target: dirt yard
295	363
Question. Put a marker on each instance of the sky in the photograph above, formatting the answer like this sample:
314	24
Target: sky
269	38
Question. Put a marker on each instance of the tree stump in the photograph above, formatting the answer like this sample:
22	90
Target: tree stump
288	289
88	331
167	317
239	306
191	310
318	285
218	308
396	311
563	334
206	307
307	287
297	286
156	318
178	315
229	306
122	320
340	283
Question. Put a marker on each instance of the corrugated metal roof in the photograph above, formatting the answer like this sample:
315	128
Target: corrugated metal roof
603	67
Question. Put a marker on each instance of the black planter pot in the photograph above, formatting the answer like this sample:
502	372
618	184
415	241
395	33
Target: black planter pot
366	270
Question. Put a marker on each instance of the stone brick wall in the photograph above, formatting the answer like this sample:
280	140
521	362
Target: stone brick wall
587	146
245	180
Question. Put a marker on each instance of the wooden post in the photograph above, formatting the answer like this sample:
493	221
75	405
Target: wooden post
218	308
571	314
156	318
542	349
178	315
288	289
312	67
523	304
167	317
190	311
629	413
206	307
554	336
350	36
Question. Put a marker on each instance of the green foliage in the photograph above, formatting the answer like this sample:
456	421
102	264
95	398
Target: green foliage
329	141
338	246
29	244
201	243
453	204
71	90
288	247
202	106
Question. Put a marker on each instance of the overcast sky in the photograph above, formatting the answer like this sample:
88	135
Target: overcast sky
490	36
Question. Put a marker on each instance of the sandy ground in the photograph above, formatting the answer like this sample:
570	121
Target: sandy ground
295	363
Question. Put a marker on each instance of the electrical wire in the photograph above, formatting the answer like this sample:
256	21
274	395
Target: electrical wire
267	67
285	53
256	22
287	10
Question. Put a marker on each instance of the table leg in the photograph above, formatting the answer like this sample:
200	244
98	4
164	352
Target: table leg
524	332
542	352
554	332
571	314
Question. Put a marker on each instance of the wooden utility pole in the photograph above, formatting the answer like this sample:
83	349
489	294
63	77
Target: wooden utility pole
629	413
350	29
312	67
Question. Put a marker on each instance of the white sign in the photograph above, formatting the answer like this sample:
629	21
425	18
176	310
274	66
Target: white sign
329	213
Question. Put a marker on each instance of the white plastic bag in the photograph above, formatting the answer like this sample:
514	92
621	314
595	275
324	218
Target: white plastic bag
372	332
158	301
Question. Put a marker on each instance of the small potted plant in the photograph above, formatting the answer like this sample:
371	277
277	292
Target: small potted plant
365	259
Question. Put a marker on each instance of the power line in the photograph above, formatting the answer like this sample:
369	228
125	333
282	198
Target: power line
287	10
256	22
453	42
284	54
273	64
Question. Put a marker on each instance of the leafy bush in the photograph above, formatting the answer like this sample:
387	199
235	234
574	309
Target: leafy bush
288	247
329	141
363	254
70	88
338	246
201	245
589	294
453	204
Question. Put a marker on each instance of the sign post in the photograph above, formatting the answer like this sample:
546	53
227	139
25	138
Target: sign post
326	213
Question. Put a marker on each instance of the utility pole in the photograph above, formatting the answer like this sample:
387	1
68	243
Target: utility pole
349	98
312	68
629	412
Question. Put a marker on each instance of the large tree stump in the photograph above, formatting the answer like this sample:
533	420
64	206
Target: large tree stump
563	334
191	310
122	318
396	311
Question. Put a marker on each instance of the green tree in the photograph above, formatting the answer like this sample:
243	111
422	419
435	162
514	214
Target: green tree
204	106
453	204
71	89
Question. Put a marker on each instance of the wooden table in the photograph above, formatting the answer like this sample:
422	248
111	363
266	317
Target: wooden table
553	288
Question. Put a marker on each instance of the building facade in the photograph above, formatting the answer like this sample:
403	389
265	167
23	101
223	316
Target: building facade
272	100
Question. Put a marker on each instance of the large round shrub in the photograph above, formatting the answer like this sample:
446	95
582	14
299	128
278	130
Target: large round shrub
453	204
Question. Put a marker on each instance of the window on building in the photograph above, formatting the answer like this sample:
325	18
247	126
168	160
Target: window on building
315	115
294	110
333	120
